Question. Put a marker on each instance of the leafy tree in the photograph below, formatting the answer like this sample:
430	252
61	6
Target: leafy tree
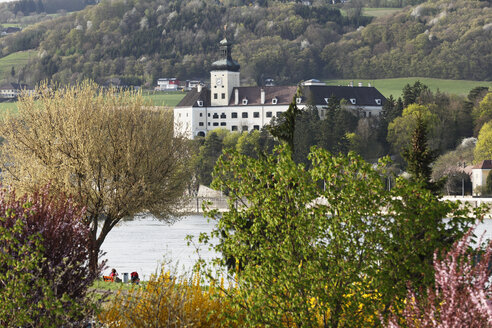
483	112
314	246
488	188
208	154
44	271
483	150
115	156
450	165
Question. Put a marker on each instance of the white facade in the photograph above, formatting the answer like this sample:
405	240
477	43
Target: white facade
479	179
229	106
193	122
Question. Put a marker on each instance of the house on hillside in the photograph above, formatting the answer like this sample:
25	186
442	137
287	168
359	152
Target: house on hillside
226	104
167	84
10	30
13	90
479	176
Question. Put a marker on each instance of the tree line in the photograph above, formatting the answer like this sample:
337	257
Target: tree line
285	40
449	120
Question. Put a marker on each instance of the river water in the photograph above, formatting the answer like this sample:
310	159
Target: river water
143	244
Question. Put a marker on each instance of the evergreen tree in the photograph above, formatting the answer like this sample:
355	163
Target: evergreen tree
283	127
419	158
411	93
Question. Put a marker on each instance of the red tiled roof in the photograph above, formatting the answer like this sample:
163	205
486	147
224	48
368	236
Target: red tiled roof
484	165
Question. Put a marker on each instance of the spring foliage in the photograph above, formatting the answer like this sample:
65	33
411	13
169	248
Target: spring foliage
167	301
328	246
115	155
44	271
461	296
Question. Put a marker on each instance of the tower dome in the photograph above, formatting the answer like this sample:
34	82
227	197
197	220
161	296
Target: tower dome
226	63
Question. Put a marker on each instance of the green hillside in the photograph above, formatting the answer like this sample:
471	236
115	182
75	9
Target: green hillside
17	60
394	86
143	40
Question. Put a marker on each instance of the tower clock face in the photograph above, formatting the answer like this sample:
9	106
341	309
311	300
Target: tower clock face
218	81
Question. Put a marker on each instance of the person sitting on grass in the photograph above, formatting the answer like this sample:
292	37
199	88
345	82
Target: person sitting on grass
134	277
114	275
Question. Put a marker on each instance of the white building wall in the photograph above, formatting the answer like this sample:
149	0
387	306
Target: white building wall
479	178
192	121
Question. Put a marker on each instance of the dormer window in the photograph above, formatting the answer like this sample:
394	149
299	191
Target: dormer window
378	101
274	101
245	101
326	100
298	100
352	100
199	103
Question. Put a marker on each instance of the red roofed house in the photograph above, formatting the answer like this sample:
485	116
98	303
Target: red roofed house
479	176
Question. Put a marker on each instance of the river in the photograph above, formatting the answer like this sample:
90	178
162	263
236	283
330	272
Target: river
143	244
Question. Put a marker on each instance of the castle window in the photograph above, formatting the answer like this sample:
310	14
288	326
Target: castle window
200	103
245	128
256	127
234	115
268	114
298	100
201	114
245	101
223	115
215	96
234	128
216	123
200	123
274	101
215	115
279	113
244	115
352	100
378	101
223	96
208	114
222	123
208	123
256	114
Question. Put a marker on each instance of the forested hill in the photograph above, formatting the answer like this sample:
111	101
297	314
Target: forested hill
142	40
444	39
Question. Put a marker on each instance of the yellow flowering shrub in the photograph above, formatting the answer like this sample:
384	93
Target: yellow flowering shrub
167	301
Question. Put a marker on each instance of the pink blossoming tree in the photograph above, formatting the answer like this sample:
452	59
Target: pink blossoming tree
462	296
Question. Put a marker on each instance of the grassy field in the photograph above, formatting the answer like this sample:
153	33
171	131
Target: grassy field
379	12
167	99
7	106
161	98
394	86
17	60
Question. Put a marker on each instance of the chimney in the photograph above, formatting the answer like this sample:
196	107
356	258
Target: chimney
199	88
236	96
369	84
360	84
351	83
262	96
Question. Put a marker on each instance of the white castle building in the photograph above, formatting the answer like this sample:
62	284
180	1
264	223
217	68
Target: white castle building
228	105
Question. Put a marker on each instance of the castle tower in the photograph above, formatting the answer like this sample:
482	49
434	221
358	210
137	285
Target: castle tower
224	76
